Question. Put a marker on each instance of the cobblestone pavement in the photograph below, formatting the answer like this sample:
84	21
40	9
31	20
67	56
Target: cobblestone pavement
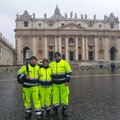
91	98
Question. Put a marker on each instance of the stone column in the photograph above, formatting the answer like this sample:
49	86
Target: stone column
106	52
60	45
19	51
67	48
56	43
76	48
34	47
96	49
83	48
118	50
86	48
45	48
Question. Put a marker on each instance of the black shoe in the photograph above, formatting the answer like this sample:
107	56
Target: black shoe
39	117
64	114
42	114
47	112
27	115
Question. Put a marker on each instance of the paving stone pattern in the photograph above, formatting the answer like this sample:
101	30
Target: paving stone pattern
91	98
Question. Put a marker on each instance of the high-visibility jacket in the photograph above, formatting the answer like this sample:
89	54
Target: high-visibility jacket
45	76
32	73
61	71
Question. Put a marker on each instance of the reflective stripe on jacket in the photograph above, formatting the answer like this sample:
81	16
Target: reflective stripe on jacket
61	71
45	78
32	74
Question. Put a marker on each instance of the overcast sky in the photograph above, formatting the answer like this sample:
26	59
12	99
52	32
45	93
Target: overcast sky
9	9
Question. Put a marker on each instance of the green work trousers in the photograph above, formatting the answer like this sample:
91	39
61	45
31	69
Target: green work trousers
60	94
45	96
31	92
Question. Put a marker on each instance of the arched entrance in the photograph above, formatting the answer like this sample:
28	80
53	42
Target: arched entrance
26	54
112	53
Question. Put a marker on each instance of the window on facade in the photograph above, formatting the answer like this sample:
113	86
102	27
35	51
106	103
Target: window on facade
79	24
71	41
63	57
91	40
50	47
100	26
63	42
112	40
111	25
80	40
39	24
62	24
90	25
50	25
79	57
90	47
71	55
79	47
51	40
50	54
25	24
25	40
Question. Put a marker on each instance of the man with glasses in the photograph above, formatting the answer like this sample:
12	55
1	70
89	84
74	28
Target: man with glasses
61	79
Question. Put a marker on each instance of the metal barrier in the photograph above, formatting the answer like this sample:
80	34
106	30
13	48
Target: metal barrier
93	68
9	69
75	67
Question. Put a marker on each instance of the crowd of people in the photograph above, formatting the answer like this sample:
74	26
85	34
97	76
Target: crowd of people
46	85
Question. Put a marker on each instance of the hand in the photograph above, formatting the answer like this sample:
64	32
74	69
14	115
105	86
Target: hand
27	77
67	83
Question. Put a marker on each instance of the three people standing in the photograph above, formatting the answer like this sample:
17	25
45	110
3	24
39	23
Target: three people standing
50	81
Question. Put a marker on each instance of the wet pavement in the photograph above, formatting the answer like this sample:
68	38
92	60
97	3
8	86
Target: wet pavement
92	97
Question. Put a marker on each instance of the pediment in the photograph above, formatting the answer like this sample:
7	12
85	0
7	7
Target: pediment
71	26
25	16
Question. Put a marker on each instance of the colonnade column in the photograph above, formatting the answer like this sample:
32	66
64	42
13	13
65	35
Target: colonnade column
67	48
83	48
76	48
34	46
118	50
96	49
55	43
45	48
86	48
60	45
20	51
106	52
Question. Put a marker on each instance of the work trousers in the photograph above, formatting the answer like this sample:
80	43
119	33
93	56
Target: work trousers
60	94
32	93
45	96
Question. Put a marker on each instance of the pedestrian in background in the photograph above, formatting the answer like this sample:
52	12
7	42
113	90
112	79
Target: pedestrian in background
113	67
28	76
61	80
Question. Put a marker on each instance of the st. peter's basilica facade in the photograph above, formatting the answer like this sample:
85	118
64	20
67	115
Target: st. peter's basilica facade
76	37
